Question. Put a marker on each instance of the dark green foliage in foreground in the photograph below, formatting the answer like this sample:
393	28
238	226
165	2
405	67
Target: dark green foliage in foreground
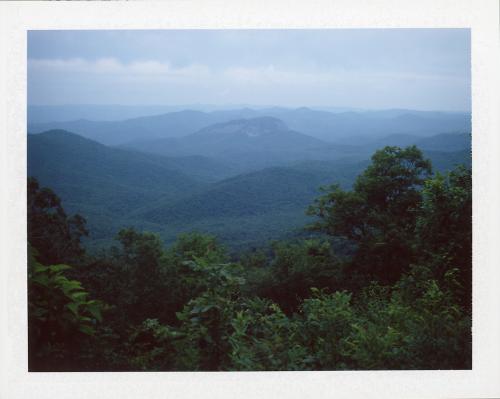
55	236
60	316
444	234
397	296
379	214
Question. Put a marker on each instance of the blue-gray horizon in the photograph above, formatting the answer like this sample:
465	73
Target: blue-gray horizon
365	69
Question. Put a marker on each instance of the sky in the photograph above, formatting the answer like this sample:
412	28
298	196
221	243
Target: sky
424	69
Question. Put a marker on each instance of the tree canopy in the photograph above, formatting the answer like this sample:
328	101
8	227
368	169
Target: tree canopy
384	282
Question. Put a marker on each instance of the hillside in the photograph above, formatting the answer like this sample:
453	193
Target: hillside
250	144
348	127
101	182
447	142
250	194
114	187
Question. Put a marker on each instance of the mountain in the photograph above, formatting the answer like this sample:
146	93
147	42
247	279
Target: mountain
101	182
239	194
249	194
173	124
355	127
65	113
109	112
113	187
249	209
447	142
242	136
352	127
249	144
443	161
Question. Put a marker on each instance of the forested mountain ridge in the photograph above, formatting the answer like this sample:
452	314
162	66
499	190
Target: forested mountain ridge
245	204
446	142
250	144
324	125
66	158
251	127
103	183
256	193
398	298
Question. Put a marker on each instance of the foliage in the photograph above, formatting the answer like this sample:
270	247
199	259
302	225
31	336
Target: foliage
419	326
378	215
56	237
443	228
296	267
387	287
327	320
60	313
265	338
244	207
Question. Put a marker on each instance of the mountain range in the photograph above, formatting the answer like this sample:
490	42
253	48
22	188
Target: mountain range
246	180
347	127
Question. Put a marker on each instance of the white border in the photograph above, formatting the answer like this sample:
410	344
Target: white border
481	16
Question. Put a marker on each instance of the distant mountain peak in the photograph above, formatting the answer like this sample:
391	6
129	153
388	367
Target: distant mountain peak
253	127
65	135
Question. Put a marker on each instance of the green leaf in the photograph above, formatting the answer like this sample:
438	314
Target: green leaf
59	268
41	279
73	307
86	329
40	268
95	310
79	296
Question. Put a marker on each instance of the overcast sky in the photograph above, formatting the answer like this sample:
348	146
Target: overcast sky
426	69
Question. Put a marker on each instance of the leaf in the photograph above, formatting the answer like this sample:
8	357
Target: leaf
59	268
41	279
40	268
95	310
86	329
73	307
79	296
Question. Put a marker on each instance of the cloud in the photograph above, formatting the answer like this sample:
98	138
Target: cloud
81	80
112	66
272	75
239	75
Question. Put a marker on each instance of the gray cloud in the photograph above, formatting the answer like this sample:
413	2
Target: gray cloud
422	69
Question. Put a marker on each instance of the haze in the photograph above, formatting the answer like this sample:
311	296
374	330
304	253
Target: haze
421	69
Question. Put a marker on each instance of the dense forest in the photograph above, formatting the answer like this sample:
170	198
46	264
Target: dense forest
379	278
246	181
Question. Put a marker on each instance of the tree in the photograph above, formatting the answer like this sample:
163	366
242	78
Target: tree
55	235
139	275
444	228
296	267
60	316
379	214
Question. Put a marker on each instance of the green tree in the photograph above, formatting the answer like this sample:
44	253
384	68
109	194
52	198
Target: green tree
139	275
296	267
265	338
416	324
327	320
60	317
379	214
444	229
55	235
182	281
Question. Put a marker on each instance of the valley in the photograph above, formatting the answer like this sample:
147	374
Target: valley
246	180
